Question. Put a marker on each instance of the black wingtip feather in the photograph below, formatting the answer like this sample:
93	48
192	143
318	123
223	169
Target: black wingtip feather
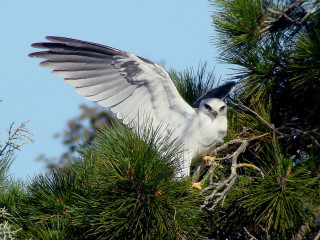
220	92
73	44
63	45
47	45
33	55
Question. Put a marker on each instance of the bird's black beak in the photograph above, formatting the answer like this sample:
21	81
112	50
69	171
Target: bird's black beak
215	113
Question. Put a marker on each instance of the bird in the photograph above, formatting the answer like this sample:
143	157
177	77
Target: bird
134	89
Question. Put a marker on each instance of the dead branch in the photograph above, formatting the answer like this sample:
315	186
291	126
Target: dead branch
283	16
271	126
317	237
285	11
250	166
304	229
298	131
249	234
226	185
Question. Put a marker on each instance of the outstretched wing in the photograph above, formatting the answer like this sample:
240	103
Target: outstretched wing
219	92
127	84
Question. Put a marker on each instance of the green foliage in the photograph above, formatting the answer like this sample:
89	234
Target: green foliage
5	162
245	122
10	190
238	23
275	47
122	188
135	193
6	231
280	203
304	67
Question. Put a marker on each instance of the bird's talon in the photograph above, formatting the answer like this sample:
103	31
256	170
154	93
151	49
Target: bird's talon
207	159
197	185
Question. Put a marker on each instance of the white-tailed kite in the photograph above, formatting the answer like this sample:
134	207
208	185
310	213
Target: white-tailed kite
130	86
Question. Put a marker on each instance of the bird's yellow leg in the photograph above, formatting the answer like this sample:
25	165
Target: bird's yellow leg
205	160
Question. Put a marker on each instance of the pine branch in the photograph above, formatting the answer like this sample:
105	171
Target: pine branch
293	131
7	232
221	189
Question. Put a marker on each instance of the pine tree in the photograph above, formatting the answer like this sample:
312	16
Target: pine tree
264	182
122	187
274	117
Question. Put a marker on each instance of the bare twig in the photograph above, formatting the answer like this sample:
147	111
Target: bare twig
16	138
271	126
304	229
317	237
305	16
221	189
266	232
297	131
250	166
283	14
250	235
213	151
226	185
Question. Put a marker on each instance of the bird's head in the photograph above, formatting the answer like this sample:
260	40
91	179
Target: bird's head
213	107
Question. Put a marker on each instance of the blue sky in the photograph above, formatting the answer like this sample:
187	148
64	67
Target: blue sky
177	32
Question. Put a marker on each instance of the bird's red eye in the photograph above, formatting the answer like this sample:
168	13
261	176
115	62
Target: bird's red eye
222	108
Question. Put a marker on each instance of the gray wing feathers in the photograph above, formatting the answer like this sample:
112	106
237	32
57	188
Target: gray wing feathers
73	66
101	87
118	97
112	78
80	73
127	84
68	57
127	107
